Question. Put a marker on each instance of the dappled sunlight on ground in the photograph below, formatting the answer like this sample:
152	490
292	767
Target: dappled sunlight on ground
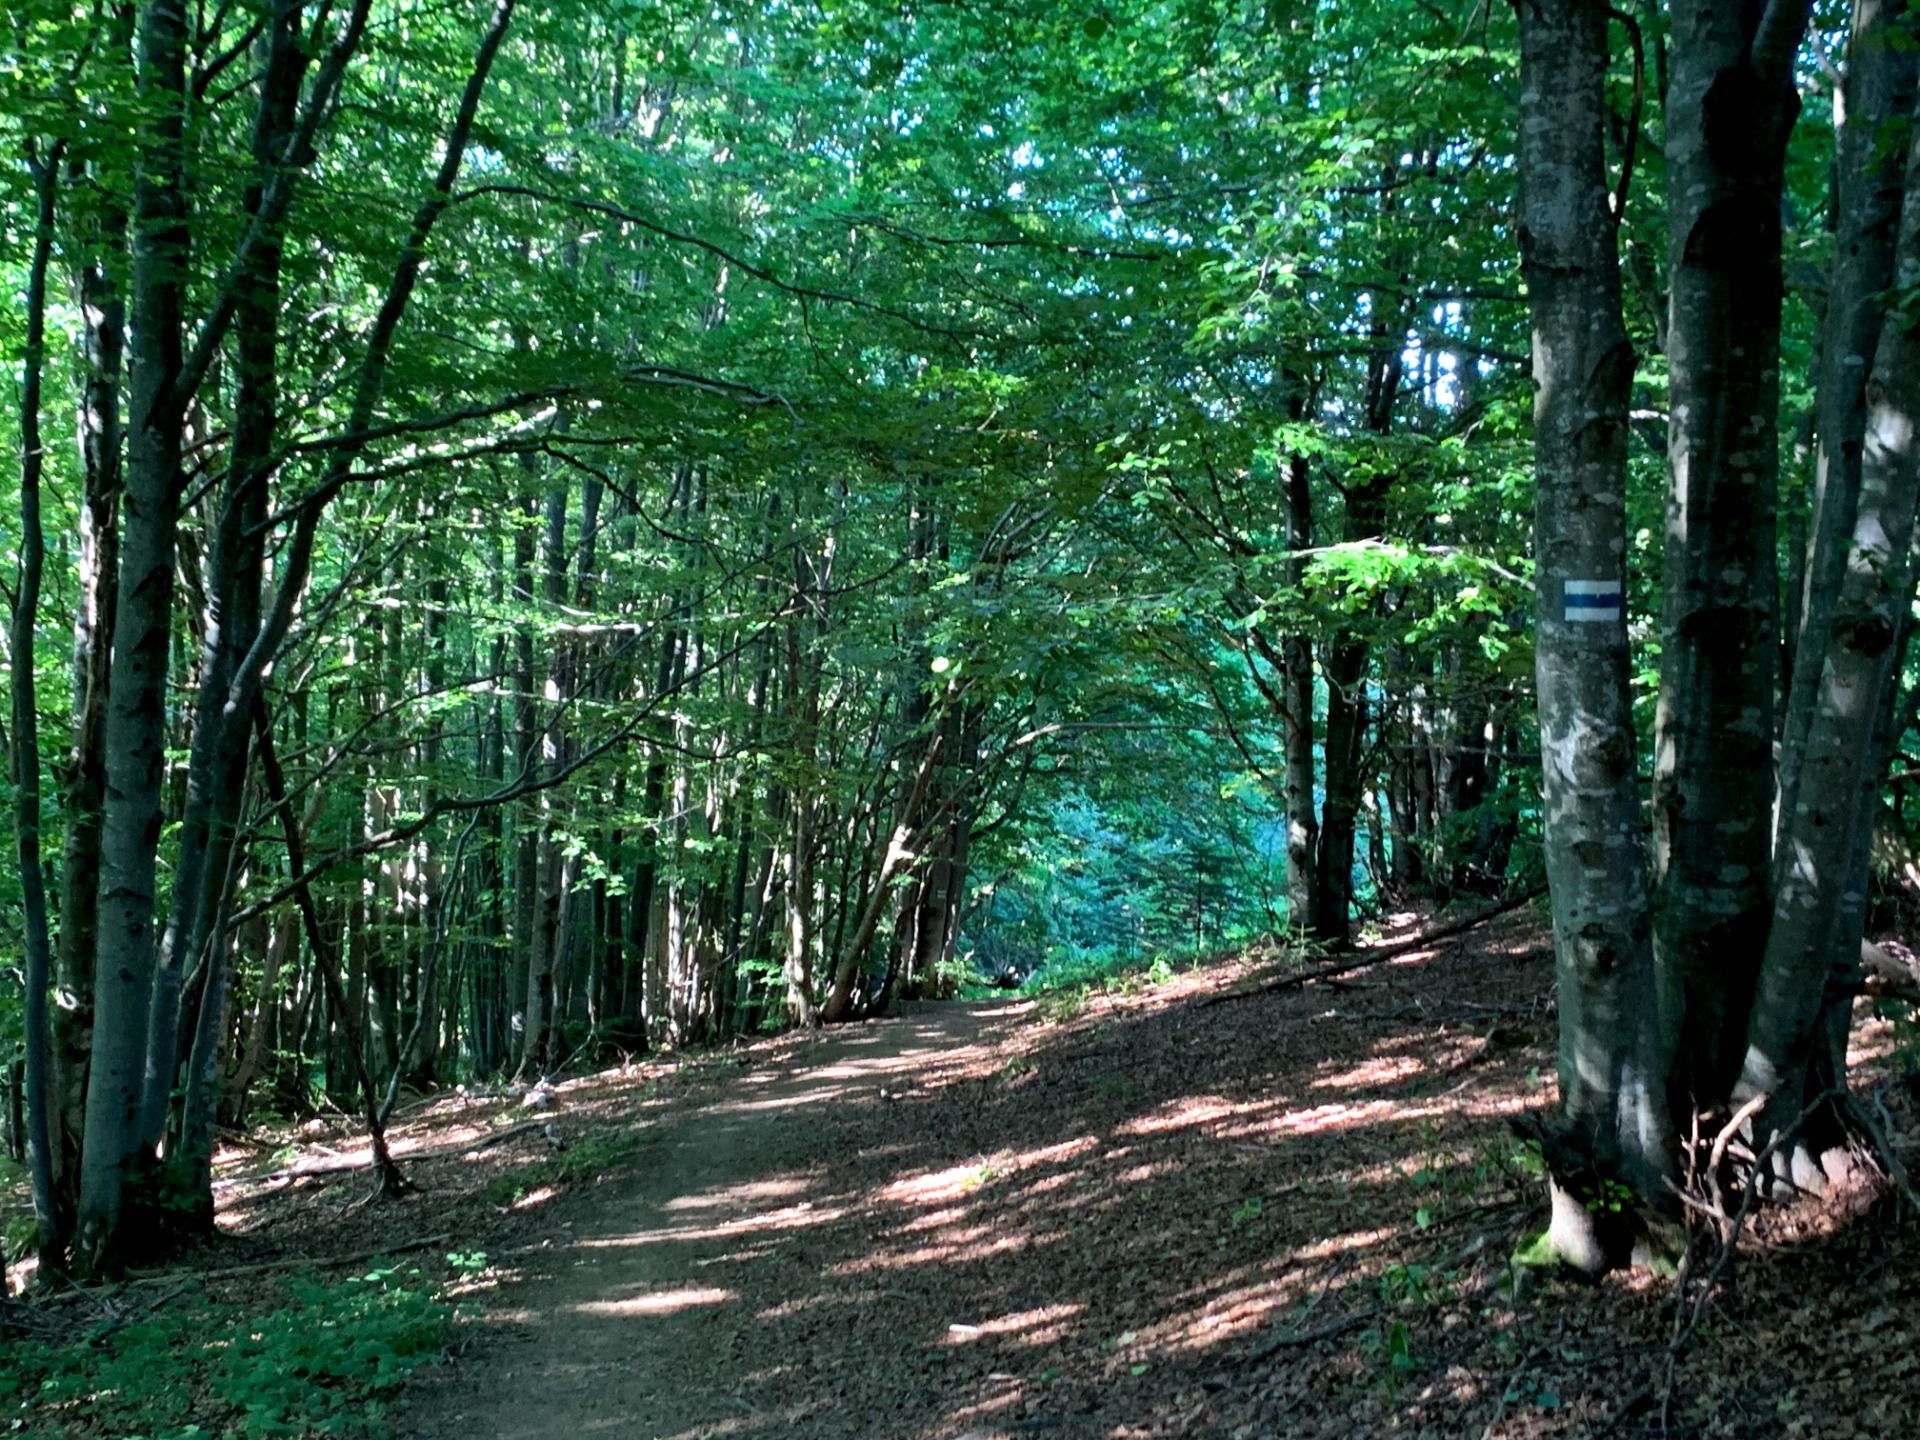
793	1217
1348	1244
664	1302
1031	1327
1382	1070
1276	1217
751	1192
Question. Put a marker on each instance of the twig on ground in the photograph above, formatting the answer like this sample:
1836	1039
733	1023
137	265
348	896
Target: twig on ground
349	1165
1362	959
293	1262
1879	1134
1720	1142
1332	1330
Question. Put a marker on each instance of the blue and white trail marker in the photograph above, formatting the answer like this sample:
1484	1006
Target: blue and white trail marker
1594	602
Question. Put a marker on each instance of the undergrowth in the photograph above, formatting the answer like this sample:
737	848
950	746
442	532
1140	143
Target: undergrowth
324	1359
585	1158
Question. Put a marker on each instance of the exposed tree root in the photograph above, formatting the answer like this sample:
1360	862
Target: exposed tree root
1687	1317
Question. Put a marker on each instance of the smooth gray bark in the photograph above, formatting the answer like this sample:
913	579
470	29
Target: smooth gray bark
103	346
1872	117
1731	104
37	942
1821	899
135	730
1612	1104
216	761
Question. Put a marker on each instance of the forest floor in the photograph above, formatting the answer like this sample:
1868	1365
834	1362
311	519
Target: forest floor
1146	1213
1108	1216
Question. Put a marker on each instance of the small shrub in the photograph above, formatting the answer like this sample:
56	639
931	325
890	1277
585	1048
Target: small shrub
1389	1346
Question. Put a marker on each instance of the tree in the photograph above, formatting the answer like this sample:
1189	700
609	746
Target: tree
1613	1101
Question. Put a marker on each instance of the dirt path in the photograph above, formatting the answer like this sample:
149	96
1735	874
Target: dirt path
1133	1216
639	1324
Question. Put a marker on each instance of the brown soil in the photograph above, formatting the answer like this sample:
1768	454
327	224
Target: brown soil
642	1322
1285	1216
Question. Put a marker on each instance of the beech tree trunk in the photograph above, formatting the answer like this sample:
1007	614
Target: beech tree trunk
1821	901
1731	104
1296	682
135	735
103	337
1883	66
1345	668
37	939
1612	1104
216	762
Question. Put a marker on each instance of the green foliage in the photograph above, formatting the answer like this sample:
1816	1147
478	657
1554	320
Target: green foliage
1525	1158
981	1175
324	1362
1389	1346
1608	1197
1061	991
1411	1286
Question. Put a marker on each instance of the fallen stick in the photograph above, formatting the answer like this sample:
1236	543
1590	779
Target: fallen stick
292	1262
1361	959
1332	1330
348	1166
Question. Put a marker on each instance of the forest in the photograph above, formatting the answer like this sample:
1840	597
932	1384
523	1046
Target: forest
1160	717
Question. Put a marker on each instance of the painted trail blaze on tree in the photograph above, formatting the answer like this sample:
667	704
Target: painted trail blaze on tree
1593	602
1756	920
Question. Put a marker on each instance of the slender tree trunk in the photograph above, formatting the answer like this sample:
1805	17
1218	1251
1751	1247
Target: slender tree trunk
49	1220
193	1166
216	761
893	859
1821	902
1346	675
103	334
1883	66
326	961
521	968
803	700
267	1005
543	957
1296	679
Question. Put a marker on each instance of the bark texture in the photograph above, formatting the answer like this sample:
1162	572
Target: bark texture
1612	1110
135	729
1731	104
1821	900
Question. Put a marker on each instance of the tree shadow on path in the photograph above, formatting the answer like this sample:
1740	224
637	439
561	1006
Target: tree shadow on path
1289	1215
